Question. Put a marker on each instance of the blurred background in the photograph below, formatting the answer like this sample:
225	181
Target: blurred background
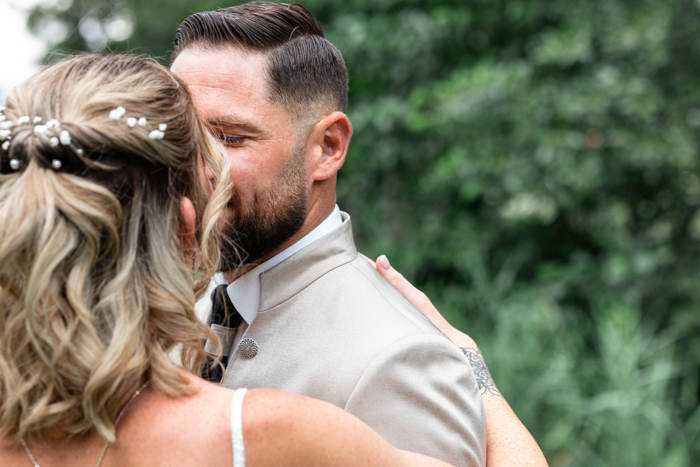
531	165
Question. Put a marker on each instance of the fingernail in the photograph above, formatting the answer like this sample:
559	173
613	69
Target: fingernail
384	261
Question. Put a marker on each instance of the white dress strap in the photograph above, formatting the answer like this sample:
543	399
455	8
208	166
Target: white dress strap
237	428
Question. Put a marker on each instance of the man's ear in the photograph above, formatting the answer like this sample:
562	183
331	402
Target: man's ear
186	230
330	138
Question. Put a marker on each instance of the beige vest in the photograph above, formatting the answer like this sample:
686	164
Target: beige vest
330	327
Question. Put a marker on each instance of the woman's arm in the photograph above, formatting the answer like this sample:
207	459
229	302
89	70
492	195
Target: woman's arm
282	429
508	442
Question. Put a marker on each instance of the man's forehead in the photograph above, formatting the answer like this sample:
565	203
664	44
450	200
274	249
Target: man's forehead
227	69
224	55
229	88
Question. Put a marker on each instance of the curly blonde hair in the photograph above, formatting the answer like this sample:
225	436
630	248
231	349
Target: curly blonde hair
95	286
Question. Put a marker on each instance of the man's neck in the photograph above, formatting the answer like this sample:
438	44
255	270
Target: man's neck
317	214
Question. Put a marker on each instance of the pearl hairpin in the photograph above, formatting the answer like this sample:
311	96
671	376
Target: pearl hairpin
117	113
65	138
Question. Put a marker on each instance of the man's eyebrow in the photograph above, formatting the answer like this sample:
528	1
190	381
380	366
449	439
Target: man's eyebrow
224	121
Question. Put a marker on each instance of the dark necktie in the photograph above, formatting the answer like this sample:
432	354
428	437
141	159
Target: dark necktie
224	321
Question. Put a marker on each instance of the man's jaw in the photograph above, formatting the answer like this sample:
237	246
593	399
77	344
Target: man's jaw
254	236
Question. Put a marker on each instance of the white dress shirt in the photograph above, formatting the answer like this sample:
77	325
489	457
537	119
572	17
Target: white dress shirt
244	292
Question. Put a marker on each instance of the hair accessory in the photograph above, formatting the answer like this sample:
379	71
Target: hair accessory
131	122
117	113
65	138
156	134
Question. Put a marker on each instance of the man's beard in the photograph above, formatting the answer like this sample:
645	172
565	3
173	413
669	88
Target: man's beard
273	217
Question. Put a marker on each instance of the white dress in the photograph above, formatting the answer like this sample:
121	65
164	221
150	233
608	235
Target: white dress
237	428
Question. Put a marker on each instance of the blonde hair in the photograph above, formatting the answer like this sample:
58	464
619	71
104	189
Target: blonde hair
95	289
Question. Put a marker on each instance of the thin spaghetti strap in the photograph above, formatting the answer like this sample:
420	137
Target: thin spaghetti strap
237	428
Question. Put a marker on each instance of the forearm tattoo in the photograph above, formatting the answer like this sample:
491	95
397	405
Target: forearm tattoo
481	371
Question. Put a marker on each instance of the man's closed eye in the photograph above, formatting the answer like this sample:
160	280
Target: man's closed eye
232	140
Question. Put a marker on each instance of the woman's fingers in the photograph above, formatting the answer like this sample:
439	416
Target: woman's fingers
396	279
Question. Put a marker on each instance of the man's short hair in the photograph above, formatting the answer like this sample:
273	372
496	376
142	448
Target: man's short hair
305	71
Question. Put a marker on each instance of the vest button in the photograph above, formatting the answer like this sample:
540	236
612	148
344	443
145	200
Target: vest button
248	348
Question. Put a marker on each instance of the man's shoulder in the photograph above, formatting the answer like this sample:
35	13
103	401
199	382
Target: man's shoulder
347	321
350	308
403	376
356	289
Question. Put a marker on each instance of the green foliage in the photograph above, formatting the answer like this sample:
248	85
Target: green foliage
533	166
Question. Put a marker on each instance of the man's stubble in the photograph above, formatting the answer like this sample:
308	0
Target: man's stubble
274	216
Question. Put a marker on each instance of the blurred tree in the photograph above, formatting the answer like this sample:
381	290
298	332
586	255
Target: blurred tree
532	165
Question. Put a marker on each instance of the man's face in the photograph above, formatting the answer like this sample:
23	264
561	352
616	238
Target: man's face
267	155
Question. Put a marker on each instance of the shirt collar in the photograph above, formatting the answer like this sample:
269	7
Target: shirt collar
245	291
